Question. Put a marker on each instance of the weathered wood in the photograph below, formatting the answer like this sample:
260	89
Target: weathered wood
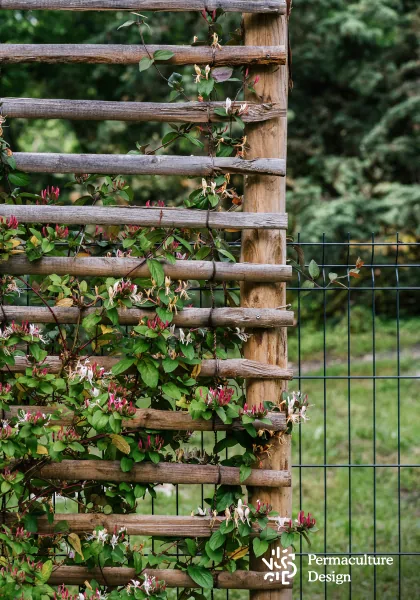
129	55
164	472
131	164
267	194
98	110
115	576
244	6
150	418
189	317
153	525
122	267
145	217
229	368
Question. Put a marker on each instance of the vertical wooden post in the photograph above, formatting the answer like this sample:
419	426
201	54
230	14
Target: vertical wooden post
265	194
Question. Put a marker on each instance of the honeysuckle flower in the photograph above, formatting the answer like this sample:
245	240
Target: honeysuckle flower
198	74
50	194
241	513
215	42
204	186
167	285
185	339
241	334
207	71
122	290
182	290
305	522
228	105
296	407
219	396
257	411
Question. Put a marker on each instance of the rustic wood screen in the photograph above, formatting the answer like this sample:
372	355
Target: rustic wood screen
262	270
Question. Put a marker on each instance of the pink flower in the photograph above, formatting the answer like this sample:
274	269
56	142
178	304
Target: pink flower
50	194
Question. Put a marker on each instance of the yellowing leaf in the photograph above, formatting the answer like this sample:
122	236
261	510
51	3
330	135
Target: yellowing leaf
74	540
120	443
196	371
16	242
82	255
64	302
41	449
182	403
34	240
106	329
239	553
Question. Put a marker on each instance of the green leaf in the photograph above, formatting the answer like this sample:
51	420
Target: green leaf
171	390
149	373
259	546
191	546
286	539
122	366
126	24
138	562
46	571
59	446
145	63
244	473
217	540
156	271
201	576
19	179
332	276
205	86
31	523
313	269
163	55
126	464
170	137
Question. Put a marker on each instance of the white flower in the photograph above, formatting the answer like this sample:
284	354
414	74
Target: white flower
185	339
95	392
204	186
35	332
242	108
5	423
228	105
198	74
241	334
167	285
207	71
201	512
114	541
148	584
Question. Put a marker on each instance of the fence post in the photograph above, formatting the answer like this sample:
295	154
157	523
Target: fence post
264	194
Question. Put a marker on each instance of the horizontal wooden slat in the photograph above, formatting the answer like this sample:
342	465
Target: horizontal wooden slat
229	368
128	55
246	6
145	217
176	473
189	317
167	420
122	267
154	525
113	576
131	164
98	110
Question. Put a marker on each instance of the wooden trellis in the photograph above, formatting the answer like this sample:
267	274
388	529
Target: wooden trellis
263	271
